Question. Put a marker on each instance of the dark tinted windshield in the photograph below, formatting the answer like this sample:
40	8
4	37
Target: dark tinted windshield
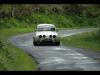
46	29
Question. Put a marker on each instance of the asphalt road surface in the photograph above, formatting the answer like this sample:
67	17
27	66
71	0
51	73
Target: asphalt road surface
59	58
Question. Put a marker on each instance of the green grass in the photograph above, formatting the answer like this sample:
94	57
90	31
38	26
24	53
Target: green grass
88	40
12	58
60	20
63	21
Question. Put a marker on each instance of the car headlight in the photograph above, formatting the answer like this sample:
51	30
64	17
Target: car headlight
50	36
44	36
40	36
54	36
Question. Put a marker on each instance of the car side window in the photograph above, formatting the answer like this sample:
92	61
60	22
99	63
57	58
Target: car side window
52	29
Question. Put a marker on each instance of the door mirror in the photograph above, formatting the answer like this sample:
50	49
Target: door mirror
35	30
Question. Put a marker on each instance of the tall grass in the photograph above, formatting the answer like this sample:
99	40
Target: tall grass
12	58
88	40
60	20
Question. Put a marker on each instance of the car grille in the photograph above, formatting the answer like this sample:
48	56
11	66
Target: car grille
47	40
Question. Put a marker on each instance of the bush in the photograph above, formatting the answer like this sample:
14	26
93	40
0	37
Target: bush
1	44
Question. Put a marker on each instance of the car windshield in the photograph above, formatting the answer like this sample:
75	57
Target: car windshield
46	29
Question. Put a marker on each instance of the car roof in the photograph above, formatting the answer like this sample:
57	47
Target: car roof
39	25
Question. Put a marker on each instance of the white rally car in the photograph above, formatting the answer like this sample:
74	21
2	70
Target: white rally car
46	34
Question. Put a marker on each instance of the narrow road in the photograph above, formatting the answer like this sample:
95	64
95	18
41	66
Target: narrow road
59	58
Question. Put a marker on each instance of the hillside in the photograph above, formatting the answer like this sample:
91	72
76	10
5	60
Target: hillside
63	15
22	18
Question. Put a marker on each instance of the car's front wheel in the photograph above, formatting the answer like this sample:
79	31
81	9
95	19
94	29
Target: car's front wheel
58	43
34	43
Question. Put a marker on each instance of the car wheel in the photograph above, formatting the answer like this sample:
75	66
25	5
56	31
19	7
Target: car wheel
34	43
57	43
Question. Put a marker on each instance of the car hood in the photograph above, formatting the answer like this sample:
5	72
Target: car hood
47	33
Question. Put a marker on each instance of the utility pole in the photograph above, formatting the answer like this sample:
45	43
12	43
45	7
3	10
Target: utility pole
13	11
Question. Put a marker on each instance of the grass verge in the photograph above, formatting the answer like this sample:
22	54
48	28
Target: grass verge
12	58
87	40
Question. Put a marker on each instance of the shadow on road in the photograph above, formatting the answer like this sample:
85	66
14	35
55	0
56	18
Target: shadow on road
47	45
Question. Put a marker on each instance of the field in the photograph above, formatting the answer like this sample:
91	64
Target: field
87	40
12	58
23	18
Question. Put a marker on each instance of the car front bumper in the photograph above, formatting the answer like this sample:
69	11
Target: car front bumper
46	40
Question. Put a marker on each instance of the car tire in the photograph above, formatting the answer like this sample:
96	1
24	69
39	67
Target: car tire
58	43
34	43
